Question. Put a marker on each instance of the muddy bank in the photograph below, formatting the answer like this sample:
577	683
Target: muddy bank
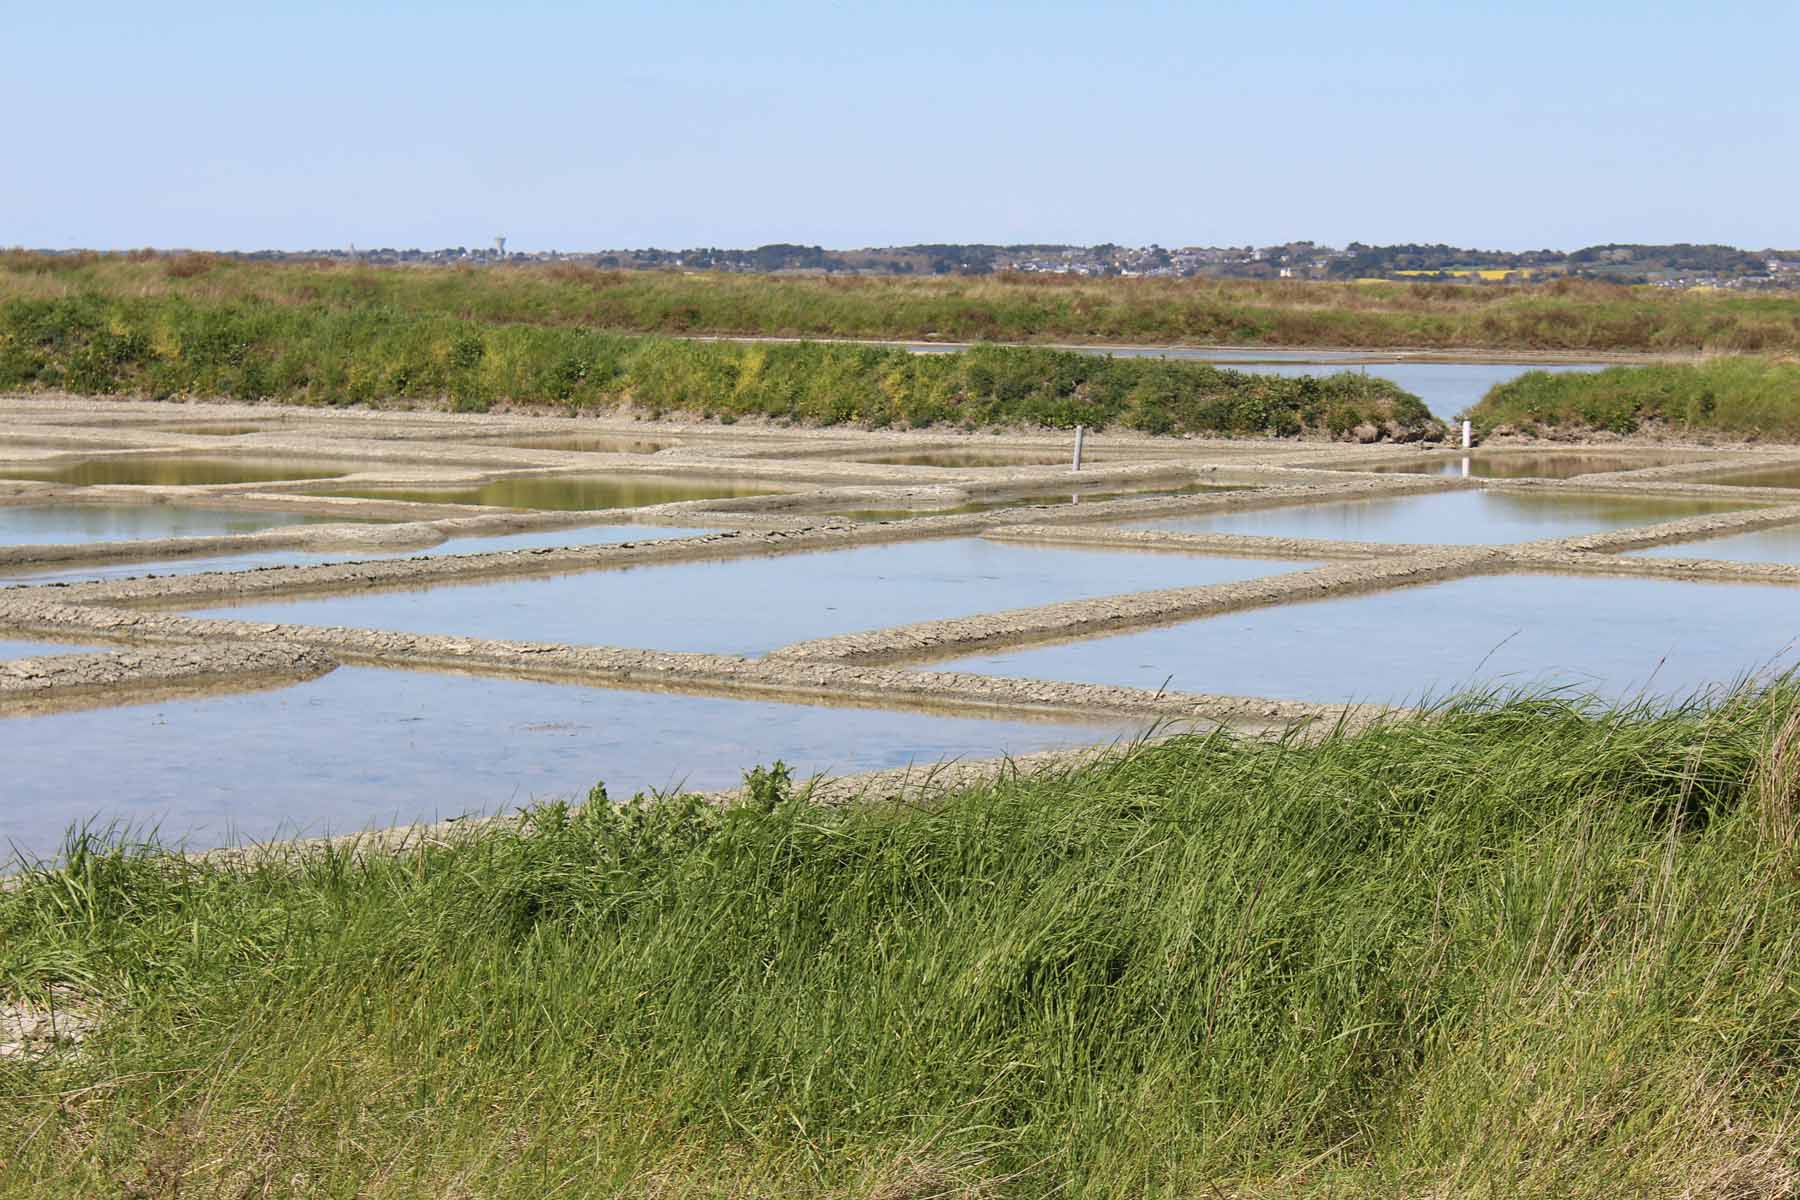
806	678
61	681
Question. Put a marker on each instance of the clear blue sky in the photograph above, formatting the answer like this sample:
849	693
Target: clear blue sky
578	126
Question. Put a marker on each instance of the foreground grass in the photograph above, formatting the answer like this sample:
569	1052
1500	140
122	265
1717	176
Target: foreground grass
315	353
1517	950
1748	397
1565	315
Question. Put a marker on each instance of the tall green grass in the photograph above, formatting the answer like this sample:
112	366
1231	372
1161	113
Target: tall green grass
1521	948
1750	397
314	353
1563	315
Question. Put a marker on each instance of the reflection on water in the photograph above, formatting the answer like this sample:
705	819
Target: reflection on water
577	492
1778	477
1780	545
973	458
590	442
586	535
1446	388
11	648
48	524
175	471
1614	636
1522	465
362	748
214	430
901	514
1467	517
752	605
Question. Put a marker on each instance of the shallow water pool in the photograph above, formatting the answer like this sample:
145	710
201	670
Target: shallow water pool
1777	477
364	748
565	492
585	535
1613	636
182	471
1780	545
16	647
1070	497
752	605
972	458
56	524
1465	516
215	430
592	443
1446	388
1522	466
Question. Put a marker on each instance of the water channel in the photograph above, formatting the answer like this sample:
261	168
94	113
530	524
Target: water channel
364	748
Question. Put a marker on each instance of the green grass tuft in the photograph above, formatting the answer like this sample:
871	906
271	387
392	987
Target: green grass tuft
319	354
1517	948
1564	315
1746	397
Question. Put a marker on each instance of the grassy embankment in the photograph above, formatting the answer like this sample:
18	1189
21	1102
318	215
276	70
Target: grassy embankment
1518	950
1562	316
1735	396
318	353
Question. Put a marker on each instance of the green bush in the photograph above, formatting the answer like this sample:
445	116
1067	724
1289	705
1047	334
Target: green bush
1734	395
314	353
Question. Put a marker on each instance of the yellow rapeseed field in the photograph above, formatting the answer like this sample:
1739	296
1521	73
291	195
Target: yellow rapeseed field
1491	274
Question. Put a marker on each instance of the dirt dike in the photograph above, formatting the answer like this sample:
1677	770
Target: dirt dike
1689	570
1637	537
49	611
957	636
424	438
351	536
1718	463
1587	554
59	681
346	537
1582	553
1621	485
1245	545
54	410
782	511
770	677
56	1023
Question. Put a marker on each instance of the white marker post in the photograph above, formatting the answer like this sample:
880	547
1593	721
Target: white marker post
1465	435
1080	435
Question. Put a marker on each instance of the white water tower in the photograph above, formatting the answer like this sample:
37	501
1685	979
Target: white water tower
500	246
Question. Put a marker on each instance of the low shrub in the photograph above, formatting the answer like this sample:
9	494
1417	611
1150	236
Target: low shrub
320	354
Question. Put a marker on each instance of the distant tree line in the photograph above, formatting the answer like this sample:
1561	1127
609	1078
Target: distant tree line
1611	260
